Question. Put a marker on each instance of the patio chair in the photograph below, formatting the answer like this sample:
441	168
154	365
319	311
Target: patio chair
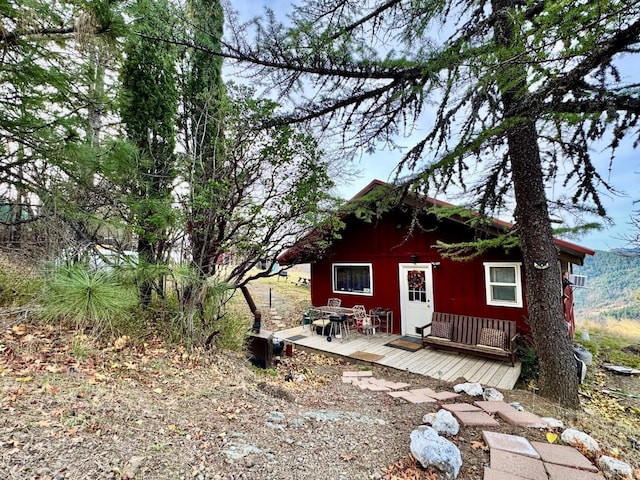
318	321
334	302
365	323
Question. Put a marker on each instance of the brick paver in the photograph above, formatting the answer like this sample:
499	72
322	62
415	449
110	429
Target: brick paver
563	455
559	472
444	396
492	406
419	398
519	465
492	474
478	419
377	388
509	443
461	407
425	390
398	393
525	419
396	385
512	457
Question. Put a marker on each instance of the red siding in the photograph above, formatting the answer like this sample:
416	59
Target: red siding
458	286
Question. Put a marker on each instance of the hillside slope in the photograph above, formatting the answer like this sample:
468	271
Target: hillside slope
613	287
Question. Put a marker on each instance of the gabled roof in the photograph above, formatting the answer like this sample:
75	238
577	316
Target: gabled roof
301	247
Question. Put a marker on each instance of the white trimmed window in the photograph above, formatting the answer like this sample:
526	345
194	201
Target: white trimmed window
503	284
352	278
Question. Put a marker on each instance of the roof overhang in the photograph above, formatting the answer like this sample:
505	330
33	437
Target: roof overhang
302	251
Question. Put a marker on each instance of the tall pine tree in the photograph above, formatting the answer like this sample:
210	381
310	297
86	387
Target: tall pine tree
149	100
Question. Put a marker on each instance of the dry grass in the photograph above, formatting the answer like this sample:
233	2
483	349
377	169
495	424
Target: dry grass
624	329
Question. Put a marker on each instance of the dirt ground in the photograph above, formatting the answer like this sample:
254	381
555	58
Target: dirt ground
75	409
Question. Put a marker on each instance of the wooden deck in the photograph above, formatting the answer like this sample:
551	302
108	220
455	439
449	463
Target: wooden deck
431	363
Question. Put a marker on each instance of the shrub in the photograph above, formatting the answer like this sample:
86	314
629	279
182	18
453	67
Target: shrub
528	358
86	299
232	332
16	289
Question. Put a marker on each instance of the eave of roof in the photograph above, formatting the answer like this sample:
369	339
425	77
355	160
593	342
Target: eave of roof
291	255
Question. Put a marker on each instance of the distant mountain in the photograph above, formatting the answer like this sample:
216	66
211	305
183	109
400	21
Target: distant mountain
613	286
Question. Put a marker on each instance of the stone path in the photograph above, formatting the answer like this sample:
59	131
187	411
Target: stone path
512	457
515	458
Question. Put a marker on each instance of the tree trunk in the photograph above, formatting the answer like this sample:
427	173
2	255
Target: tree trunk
558	376
145	253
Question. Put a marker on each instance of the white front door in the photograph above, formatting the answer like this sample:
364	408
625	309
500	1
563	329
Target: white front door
416	296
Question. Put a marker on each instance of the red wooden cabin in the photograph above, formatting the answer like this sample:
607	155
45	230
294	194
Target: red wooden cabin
386	264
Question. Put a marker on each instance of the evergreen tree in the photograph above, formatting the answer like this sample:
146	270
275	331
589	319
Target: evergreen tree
43	109
149	100
206	106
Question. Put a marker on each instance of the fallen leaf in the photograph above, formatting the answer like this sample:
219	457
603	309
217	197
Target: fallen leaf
24	379
552	437
479	445
19	329
121	342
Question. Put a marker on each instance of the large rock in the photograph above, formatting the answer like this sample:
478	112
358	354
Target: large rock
553	422
431	450
614	467
492	395
443	422
471	389
580	439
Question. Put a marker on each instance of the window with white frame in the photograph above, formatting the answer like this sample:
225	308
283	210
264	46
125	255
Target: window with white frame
354	278
503	284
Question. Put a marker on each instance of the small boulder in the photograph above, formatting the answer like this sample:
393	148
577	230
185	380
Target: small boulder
443	422
552	422
431	450
492	395
471	389
577	438
614	467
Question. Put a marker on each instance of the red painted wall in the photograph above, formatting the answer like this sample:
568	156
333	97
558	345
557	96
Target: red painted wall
458	286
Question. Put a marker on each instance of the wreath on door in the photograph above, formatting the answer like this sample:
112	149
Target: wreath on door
416	279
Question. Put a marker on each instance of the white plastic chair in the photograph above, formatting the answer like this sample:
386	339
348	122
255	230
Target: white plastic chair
365	323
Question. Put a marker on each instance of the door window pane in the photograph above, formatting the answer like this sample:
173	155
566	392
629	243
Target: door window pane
416	286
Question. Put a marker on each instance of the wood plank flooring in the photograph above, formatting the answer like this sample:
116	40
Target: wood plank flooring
431	363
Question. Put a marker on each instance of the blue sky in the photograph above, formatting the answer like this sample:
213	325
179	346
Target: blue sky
623	174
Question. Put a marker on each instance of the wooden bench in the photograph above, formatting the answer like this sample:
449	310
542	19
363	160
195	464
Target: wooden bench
484	337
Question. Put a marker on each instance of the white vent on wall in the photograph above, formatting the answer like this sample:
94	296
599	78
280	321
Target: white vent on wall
578	280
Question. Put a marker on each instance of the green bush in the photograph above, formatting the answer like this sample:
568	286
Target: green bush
17	290
232	332
526	352
87	299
